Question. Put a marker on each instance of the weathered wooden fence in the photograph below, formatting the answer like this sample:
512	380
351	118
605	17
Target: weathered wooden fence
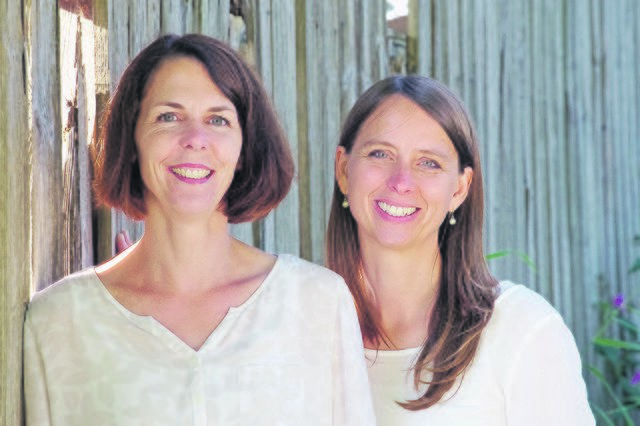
553	87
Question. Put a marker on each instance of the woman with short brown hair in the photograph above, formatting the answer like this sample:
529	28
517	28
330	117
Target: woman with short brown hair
190	326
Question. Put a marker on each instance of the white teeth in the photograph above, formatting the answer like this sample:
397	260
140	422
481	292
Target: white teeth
191	173
396	211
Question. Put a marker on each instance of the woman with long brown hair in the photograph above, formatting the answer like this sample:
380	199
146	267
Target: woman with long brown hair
447	344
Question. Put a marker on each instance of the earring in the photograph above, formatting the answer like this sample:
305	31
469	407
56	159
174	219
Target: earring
345	203
452	219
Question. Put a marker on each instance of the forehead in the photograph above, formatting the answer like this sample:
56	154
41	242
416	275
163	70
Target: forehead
183	76
400	120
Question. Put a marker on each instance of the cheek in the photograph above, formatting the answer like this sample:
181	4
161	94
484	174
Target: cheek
440	192
363	180
226	147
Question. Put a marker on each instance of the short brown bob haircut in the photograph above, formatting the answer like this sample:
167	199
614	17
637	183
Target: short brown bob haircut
265	168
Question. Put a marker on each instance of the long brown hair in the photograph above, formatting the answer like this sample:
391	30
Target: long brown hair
466	294
265	168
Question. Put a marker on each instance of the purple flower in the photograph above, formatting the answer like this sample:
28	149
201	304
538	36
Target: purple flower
636	378
618	301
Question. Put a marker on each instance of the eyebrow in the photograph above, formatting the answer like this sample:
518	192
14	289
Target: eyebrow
177	105
436	152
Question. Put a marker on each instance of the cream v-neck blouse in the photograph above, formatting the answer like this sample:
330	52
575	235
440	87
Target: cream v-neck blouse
290	355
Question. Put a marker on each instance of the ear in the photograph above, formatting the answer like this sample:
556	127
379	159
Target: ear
341	169
462	189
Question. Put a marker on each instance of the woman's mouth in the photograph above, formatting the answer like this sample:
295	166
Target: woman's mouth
396	211
191	174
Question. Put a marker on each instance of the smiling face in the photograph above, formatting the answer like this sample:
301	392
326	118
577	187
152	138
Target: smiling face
188	139
401	177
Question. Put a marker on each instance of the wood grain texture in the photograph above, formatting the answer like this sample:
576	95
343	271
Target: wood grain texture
276	63
15	209
553	89
47	187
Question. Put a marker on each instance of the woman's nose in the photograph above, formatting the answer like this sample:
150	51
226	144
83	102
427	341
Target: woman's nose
194	136
401	180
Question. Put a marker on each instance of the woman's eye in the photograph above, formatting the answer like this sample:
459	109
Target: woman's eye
167	117
429	164
219	121
378	154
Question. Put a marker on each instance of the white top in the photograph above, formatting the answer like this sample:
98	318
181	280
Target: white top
527	372
290	355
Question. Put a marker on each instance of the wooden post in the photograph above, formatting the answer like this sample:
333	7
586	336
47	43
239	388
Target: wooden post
276	62
46	173
15	210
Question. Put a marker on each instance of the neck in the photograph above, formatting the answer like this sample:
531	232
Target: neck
404	287
184	256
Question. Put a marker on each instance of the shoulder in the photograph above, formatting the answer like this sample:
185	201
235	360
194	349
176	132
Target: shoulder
299	274
523	320
518	301
62	296
308	271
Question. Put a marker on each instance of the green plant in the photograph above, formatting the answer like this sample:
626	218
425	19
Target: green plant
618	345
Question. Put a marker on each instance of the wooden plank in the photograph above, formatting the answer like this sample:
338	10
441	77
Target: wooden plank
363	28
246	232
419	51
212	18
69	22
330	90
262	40
284	234
47	215
452	48
554	223
78	110
626	121
172	19
102	13
144	18
537	232
511	213
610	109
349	88
302	87
323	109
15	209
439	41
489	119
585	222
380	57
86	124
117	42
467	42
634	159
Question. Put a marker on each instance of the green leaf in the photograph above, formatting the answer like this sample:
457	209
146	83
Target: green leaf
604	416
497	254
635	267
521	255
612	343
627	324
619	404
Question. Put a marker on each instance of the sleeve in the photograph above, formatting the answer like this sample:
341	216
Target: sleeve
352	405
35	389
545	385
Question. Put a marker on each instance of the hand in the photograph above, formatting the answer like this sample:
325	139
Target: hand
123	241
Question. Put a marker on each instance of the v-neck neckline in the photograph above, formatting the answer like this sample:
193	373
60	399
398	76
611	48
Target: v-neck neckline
156	328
